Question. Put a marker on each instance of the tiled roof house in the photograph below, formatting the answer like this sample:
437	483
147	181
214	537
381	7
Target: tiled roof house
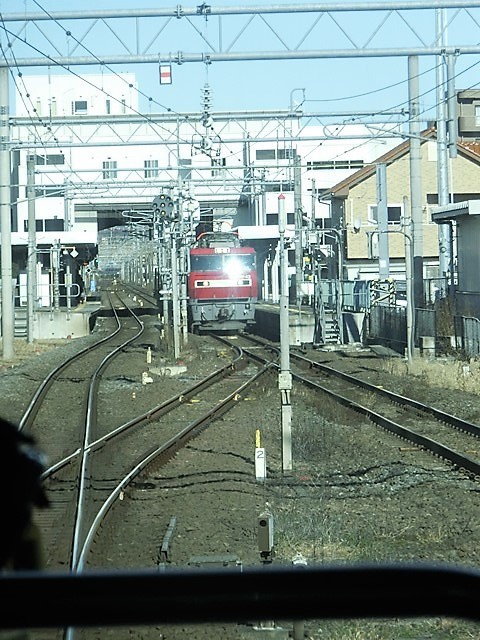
354	199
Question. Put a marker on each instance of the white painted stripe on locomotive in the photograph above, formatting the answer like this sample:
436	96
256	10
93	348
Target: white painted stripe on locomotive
243	282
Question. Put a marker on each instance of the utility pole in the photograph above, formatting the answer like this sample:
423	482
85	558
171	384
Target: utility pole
285	376
382	223
447	134
444	258
175	297
410	310
297	203
32	246
416	180
8	318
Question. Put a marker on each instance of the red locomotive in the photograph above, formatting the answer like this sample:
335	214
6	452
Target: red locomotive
222	283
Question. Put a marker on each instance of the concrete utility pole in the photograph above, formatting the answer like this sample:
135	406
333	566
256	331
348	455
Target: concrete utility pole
32	245
410	310
416	180
8	318
175	297
382	223
444	255
285	376
297	203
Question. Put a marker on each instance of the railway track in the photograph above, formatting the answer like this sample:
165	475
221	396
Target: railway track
143	505
74	384
94	466
446	436
165	430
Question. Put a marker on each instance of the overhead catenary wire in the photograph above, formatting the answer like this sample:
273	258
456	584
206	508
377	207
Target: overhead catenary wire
52	16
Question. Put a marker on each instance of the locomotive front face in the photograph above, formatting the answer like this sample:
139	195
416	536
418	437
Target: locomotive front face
222	286
222	276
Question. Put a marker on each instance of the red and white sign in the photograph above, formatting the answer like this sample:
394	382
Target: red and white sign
165	74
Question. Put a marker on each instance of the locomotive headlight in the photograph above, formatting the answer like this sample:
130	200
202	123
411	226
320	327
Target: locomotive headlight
233	268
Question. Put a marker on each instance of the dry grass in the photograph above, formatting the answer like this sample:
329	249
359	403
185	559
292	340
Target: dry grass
445	372
23	350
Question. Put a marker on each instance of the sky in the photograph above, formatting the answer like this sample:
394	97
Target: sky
338	87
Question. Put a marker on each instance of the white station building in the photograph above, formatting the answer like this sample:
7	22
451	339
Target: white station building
94	162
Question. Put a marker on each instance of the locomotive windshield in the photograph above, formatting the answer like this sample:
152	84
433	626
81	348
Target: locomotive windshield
229	263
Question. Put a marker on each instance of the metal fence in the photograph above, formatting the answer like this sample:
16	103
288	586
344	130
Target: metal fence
468	332
387	325
425	324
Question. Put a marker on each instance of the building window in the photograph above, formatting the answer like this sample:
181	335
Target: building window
272	218
477	115
150	168
185	171
49	224
394	213
54	224
124	105
55	158
334	164
285	154
275	154
108	107
38	225
217	164
37	159
109	170
79	107
265	154
51	158
278	187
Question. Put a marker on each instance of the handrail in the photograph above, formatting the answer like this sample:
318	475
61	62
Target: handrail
44	599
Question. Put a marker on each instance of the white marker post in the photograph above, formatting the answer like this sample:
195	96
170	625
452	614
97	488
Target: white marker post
260	459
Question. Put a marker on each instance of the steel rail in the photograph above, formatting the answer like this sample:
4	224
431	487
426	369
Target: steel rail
152	414
433	446
166	450
90	423
460	460
454	421
35	403
81	454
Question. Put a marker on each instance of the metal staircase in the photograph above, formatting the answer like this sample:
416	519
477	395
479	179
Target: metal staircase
327	327
20	322
331	329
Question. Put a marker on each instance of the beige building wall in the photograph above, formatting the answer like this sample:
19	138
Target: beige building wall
464	178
